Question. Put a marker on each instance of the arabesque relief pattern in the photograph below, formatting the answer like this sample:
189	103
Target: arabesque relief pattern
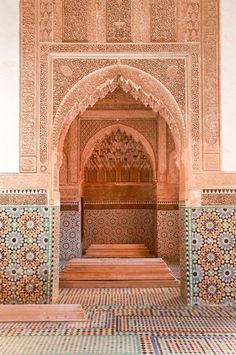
89	128
191	30
118	158
165	54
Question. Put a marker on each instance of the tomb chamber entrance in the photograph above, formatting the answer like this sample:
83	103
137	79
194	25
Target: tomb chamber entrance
119	183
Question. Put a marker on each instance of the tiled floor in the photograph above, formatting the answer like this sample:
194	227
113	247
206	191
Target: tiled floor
127	321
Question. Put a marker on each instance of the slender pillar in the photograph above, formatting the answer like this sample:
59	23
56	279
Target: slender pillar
162	150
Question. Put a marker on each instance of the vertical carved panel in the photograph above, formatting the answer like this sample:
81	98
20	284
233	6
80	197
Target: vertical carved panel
57	20
193	20
162	149
173	172
73	153
28	83
75	20
196	124
118	21
46	20
181	20
97	21
140	22
210	60
64	170
163	21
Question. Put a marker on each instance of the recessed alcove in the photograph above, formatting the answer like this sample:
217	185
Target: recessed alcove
119	180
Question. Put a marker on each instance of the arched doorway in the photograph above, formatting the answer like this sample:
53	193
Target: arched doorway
166	122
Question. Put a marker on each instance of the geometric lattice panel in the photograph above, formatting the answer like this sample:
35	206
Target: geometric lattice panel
25	254
168	234
120	226
213	254
70	239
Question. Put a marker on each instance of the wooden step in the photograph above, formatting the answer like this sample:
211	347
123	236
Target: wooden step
120	284
119	272
42	313
117	250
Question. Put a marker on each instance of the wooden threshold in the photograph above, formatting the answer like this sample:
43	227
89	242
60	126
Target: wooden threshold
120	283
42	313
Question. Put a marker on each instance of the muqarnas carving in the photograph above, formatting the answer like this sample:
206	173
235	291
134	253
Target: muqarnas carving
118	158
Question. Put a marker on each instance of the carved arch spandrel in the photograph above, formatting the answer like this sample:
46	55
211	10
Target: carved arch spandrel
98	84
99	136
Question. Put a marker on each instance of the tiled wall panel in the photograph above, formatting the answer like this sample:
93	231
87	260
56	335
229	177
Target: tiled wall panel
212	255
26	262
168	234
120	226
70	240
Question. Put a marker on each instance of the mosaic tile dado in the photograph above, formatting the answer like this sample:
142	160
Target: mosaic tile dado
122	226
70	235
168	234
212	254
26	254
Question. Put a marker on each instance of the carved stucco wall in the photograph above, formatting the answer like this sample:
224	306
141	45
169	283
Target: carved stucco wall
140	126
178	65
170	65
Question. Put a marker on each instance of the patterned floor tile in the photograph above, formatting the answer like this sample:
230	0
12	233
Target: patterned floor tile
194	345
127	321
60	345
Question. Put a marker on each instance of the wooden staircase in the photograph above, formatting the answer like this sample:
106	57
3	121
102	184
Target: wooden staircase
117	251
117	272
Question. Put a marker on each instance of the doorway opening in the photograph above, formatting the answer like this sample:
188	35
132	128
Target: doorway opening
119	186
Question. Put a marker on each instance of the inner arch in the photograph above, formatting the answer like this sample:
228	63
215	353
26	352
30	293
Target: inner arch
99	83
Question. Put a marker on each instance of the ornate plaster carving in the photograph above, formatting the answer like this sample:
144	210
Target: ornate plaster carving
28	83
139	84
46	20
163	21
23	197
193	20
198	26
75	20
118	21
210	60
118	158
147	127
107	132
